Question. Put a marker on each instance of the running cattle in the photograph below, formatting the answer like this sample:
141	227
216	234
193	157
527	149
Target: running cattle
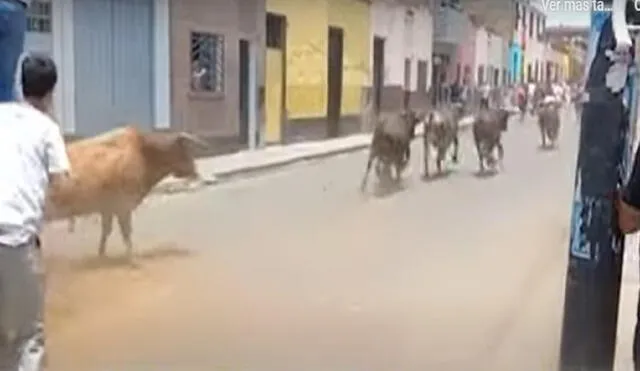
488	126
391	145
441	132
549	122
112	173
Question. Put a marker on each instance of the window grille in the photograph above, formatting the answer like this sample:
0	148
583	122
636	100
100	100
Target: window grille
39	17
207	62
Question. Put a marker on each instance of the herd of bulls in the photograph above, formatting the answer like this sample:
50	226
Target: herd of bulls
393	133
114	172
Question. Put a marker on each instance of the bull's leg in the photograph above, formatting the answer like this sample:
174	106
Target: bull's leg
425	153
399	166
106	219
363	184
385	173
124	222
456	148
543	136
500	153
480	155
440	158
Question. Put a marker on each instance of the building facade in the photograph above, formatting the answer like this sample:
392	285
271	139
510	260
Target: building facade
481	67
112	55
212	47
453	45
317	66
464	68
401	60
533	24
573	42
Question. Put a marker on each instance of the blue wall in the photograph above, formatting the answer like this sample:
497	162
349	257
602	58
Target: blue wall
515	62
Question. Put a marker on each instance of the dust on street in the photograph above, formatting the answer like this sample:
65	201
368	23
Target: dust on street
296	270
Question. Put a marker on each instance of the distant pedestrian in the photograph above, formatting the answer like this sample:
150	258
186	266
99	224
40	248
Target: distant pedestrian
13	26
33	157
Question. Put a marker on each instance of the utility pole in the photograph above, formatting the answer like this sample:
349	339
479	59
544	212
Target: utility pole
604	157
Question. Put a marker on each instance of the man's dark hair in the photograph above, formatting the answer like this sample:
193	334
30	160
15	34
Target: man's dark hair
39	76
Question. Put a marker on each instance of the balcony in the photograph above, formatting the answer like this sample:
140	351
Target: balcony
450	24
498	15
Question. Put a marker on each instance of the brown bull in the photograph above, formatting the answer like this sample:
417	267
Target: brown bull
391	145
112	173
440	133
488	126
549	123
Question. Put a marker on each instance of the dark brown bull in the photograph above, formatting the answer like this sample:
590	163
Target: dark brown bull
391	145
488	126
111	175
440	133
549	123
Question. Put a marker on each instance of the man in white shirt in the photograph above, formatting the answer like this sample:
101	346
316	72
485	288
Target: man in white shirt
33	156
13	26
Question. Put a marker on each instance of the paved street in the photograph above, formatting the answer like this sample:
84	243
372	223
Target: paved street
296	270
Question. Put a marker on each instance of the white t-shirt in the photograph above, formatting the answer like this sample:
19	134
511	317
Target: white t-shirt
31	148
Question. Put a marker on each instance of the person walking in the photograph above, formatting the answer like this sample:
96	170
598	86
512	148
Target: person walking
33	159
13	26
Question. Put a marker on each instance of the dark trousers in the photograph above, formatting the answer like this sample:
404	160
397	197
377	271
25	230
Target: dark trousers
22	342
13	25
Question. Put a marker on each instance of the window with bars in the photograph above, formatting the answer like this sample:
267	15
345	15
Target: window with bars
39	17
207	62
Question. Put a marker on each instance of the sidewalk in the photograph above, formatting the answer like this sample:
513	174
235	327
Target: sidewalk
220	168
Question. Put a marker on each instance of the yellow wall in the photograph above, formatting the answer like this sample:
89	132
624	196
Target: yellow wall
354	17
307	44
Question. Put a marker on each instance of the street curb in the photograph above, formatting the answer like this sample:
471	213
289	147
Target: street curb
289	161
180	186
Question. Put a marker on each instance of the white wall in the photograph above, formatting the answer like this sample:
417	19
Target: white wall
481	53
403	40
423	43
494	50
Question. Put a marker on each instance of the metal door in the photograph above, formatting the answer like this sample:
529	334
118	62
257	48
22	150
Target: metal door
113	42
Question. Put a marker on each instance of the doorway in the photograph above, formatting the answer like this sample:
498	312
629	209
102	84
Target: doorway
334	91
406	96
378	72
243	90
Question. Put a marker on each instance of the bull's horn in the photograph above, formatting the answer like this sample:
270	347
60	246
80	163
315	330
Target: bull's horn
194	139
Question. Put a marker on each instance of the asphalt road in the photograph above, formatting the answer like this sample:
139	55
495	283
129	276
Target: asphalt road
296	270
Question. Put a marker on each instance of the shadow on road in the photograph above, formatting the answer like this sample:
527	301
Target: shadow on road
382	190
547	148
432	177
161	252
486	173
81	290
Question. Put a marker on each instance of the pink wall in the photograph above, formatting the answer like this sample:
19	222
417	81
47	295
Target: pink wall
464	55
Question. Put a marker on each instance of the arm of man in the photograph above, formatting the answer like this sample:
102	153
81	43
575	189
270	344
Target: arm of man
56	152
628	204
